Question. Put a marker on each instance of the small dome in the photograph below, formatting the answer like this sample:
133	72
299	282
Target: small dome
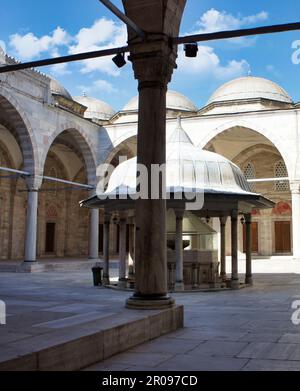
57	89
188	167
175	101
96	109
250	88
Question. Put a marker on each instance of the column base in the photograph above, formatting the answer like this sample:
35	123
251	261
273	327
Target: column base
224	277
234	284
179	286
30	267
249	280
122	283
144	303
105	280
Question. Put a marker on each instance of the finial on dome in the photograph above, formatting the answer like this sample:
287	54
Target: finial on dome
84	94
249	71
179	121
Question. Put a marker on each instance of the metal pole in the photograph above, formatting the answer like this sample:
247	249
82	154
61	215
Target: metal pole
123	17
47	178
180	40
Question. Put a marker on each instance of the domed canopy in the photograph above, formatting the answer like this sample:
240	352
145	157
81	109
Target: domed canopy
57	89
250	88
188	167
96	109
175	101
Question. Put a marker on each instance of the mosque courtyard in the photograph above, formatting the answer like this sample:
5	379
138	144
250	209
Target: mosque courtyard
249	329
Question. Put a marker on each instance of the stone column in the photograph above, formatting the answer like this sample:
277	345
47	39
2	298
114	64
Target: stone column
94	234
131	255
106	228
31	226
223	221
122	253
248	222
153	63
295	189
179	284
234	250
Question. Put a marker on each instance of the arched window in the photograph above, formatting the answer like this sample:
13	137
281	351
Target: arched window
281	172
249	172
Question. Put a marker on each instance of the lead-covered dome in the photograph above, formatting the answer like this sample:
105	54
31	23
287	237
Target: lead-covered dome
188	167
57	89
250	87
96	109
175	101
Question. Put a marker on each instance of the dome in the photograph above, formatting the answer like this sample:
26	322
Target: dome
96	109
188	167
175	101
57	89
250	88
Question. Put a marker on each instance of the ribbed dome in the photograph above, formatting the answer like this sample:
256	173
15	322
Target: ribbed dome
175	101
188	167
57	89
96	109
249	88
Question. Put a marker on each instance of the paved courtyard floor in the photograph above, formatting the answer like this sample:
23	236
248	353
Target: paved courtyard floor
250	329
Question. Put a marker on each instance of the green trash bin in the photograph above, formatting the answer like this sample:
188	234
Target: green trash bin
97	275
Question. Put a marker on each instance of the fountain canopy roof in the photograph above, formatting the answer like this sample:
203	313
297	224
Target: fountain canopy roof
187	168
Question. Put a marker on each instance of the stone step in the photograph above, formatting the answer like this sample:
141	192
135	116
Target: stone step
77	347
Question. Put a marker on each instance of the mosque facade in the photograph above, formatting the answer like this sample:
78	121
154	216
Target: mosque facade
52	145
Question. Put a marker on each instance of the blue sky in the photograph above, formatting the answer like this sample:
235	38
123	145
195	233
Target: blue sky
34	30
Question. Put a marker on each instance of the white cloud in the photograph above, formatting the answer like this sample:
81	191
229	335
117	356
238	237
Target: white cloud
103	34
214	20
100	85
29	46
208	63
59	69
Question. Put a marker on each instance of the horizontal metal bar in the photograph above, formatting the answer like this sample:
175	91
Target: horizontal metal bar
278	28
179	40
115	10
267	180
51	179
47	178
25	173
63	59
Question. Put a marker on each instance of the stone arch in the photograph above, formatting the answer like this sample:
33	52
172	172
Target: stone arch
18	124
122	149
244	156
253	126
85	148
110	152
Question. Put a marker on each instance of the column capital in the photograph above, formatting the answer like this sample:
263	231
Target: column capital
248	218
234	214
154	58
179	213
223	220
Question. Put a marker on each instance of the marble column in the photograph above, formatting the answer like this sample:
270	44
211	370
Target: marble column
94	234
106	227
295	189
248	222
31	226
234	250
153	63
179	284
223	221
122	253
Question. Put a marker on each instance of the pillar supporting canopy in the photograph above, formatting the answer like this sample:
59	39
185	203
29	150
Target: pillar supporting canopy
106	278
248	223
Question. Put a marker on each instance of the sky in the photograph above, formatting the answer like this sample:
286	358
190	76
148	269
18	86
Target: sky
32	30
